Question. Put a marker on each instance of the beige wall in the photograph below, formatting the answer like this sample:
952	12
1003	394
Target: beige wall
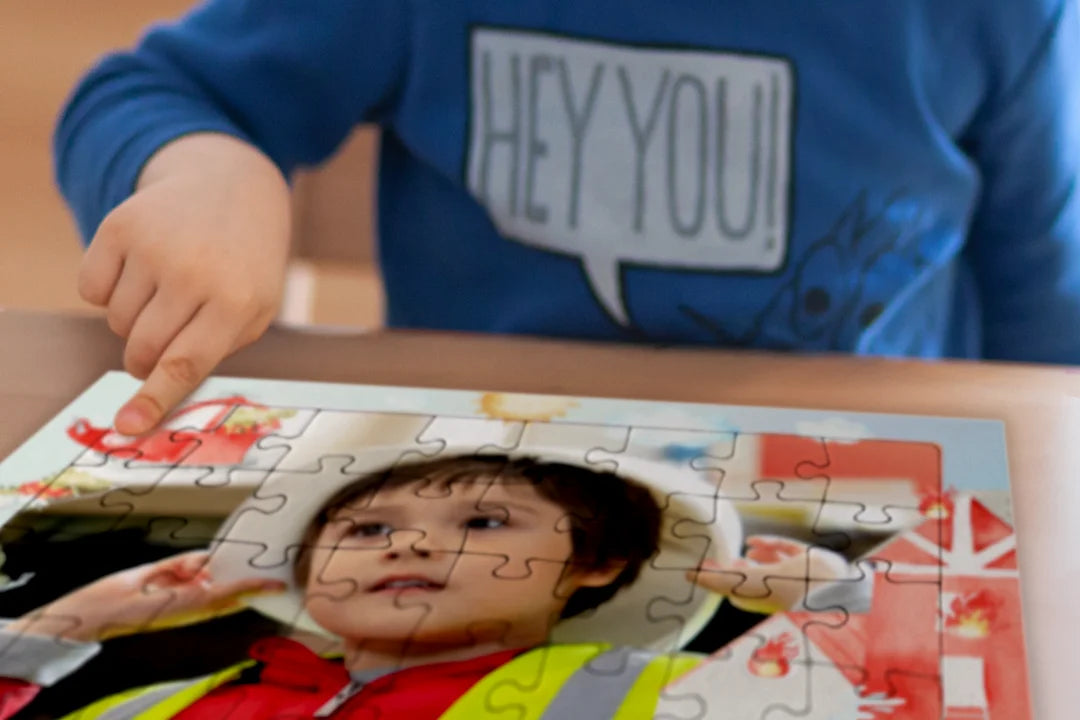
44	47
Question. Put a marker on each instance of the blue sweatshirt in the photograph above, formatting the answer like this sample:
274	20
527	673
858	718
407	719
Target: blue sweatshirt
889	178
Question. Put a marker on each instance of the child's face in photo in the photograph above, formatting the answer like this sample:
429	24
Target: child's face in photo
446	565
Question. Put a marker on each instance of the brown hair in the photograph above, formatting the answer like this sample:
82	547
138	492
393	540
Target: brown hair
611	521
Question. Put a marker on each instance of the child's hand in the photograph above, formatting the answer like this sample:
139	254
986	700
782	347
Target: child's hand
190	268
169	593
773	576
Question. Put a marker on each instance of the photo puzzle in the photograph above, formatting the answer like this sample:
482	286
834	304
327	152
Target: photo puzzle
310	550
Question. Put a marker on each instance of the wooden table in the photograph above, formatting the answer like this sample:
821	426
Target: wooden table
46	360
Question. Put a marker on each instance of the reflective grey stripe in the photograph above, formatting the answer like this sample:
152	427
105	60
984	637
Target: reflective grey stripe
144	701
599	687
41	659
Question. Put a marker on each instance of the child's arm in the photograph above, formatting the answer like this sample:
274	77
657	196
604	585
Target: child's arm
30	662
1025	242
191	258
168	593
45	646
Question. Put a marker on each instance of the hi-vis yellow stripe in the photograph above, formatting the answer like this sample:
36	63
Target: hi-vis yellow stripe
127	705
524	687
640	702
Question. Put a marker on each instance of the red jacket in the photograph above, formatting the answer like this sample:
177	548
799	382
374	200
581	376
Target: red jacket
294	681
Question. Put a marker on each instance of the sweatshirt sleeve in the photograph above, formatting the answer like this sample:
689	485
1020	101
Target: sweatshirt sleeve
30	662
291	77
1025	241
41	660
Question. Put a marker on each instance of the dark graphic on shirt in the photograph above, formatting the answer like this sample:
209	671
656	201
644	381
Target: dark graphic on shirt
676	159
840	286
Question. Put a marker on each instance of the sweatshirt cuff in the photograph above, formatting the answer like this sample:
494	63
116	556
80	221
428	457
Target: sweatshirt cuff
39	659
98	157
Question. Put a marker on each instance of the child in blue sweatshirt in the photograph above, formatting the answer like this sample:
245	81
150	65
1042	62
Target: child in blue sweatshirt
872	178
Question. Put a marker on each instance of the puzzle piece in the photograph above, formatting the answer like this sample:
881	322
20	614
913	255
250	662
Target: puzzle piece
223	429
766	666
779	672
125	500
119	479
736	463
474	436
685	449
332	433
877	485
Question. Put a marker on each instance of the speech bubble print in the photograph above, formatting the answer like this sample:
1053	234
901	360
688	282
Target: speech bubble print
614	154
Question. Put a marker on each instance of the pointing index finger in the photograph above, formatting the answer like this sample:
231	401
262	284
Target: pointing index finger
139	415
189	359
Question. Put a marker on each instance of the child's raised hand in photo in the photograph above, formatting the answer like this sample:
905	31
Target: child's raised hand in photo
775	575
168	593
190	268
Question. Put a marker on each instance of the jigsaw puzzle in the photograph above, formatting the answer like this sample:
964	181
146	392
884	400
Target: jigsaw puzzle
303	550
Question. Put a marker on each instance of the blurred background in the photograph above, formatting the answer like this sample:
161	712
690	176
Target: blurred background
45	46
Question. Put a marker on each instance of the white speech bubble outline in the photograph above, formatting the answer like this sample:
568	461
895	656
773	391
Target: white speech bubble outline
604	244
604	275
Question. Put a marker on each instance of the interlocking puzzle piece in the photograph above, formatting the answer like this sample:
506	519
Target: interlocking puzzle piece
877	485
133	465
128	499
586	440
107	449
810	578
30	498
115	477
918	555
660	444
473	435
763	668
180	492
674	446
776	671
738	462
578	681
224	429
340	434
769	511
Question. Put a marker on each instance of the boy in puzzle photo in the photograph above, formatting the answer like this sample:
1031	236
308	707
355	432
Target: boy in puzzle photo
870	178
433	589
